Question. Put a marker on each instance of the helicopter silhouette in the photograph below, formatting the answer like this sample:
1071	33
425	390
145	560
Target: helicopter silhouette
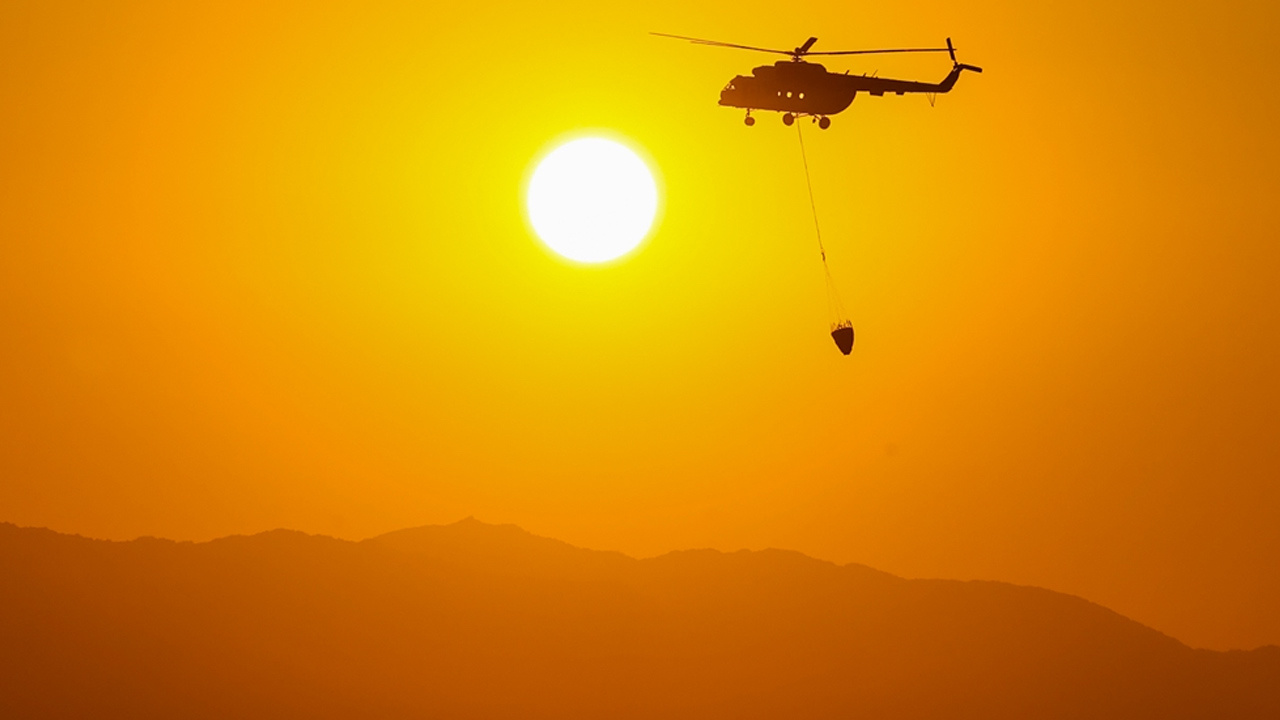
798	88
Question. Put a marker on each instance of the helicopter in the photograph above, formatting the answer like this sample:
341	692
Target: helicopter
797	88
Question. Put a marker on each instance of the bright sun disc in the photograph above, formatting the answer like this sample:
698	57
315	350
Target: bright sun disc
592	200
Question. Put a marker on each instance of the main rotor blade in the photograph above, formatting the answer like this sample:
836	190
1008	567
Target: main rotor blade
879	52
717	43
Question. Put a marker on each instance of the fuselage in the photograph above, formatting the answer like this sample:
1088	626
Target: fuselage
804	88
797	87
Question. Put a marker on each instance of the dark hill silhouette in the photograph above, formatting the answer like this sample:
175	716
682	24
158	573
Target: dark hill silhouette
480	621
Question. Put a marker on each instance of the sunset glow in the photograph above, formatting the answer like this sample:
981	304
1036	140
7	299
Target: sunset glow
354	268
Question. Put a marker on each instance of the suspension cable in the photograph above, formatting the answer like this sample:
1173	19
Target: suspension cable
812	205
834	306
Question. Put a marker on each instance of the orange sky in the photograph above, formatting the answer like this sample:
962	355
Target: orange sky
267	267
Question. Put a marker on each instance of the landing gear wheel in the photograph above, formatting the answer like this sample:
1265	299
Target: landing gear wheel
749	121
788	119
824	122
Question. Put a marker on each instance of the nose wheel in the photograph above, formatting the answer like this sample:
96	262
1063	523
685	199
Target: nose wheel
788	119
748	120
824	122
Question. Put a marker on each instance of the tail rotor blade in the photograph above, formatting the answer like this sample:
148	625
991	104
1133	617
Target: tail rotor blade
951	49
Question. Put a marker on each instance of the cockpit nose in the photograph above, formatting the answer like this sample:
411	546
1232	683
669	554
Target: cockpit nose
731	91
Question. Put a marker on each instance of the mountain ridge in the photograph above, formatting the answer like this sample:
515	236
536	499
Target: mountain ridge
478	620
395	539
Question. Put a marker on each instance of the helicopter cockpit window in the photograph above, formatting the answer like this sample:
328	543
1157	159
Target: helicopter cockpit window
729	86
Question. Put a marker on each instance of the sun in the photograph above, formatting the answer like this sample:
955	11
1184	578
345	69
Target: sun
592	199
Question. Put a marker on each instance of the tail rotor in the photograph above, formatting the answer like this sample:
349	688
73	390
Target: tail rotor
951	49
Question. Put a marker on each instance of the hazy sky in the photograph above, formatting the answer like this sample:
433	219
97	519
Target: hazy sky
267	266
